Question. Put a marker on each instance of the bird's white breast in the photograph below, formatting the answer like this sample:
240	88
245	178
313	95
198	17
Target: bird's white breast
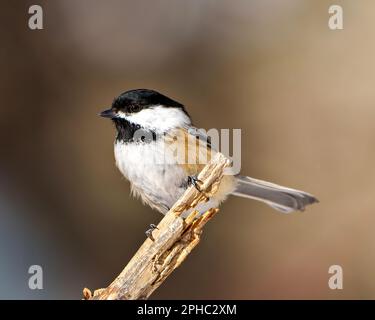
151	170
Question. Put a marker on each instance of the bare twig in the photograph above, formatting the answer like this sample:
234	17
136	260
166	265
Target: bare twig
175	237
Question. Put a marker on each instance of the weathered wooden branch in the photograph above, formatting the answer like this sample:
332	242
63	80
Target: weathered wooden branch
174	239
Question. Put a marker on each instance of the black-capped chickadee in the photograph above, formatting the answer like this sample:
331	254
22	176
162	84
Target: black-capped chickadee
151	130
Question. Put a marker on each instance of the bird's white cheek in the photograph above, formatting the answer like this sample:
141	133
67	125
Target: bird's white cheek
158	118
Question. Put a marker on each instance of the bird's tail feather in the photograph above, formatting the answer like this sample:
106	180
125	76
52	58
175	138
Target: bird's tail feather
281	198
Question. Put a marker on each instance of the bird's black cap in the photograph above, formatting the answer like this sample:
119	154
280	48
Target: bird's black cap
133	101
138	99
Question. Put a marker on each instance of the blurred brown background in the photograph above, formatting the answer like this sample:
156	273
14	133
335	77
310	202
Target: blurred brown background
302	94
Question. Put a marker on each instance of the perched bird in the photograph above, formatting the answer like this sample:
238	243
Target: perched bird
150	128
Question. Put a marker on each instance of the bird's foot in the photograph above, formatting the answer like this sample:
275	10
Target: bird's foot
149	232
194	181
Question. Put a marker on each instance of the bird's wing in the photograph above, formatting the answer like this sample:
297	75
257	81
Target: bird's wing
192	148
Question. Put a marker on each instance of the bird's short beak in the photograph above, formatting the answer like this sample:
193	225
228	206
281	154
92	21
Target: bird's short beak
108	114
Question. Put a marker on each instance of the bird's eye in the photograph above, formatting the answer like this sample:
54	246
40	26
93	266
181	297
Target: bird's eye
135	108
